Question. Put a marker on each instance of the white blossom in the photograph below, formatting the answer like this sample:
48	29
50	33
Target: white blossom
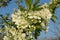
28	21
45	13
6	38
13	31
47	29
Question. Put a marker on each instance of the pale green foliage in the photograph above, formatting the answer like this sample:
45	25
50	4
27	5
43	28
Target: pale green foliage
26	24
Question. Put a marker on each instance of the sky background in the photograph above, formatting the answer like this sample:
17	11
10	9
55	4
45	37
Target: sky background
12	5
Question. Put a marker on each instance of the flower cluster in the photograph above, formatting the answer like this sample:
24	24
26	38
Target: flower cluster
13	34
19	20
27	22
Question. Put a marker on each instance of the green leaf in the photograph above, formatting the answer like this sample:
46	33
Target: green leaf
54	18
35	5
58	1
29	3
22	8
2	30
36	2
37	33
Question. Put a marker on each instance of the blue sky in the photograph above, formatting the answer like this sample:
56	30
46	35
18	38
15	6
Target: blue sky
12	5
